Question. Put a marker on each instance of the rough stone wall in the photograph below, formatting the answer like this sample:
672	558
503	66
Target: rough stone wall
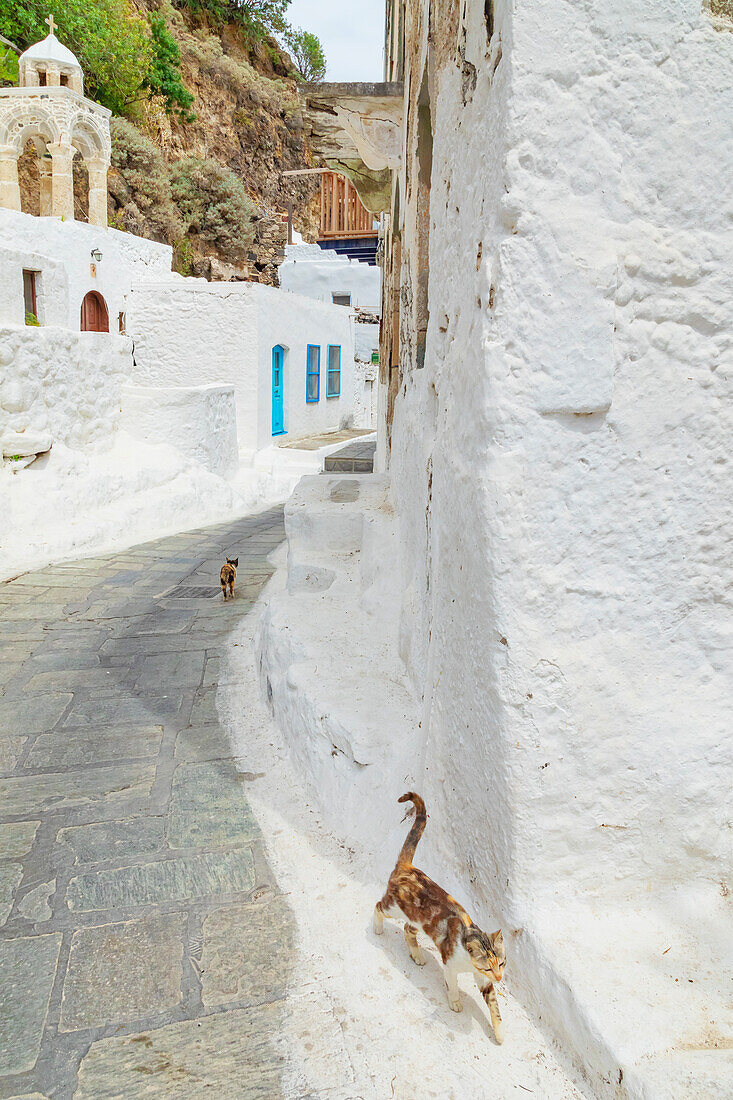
61	385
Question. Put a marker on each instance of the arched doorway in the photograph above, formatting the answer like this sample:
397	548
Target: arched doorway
278	390
94	316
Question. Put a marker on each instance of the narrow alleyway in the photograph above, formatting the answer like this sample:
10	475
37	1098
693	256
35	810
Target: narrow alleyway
142	937
148	944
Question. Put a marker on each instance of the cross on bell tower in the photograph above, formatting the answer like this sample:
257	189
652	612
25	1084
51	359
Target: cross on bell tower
51	24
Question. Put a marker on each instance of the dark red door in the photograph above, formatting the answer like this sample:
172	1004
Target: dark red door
94	316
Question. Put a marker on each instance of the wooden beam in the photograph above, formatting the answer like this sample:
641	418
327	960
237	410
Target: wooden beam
305	171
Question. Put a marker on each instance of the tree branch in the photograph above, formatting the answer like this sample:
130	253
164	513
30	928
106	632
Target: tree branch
12	45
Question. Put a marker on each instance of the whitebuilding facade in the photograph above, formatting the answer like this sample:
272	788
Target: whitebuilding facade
290	359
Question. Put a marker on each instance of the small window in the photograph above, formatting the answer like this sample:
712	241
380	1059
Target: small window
42	78
313	375
30	299
333	382
64	80
340	299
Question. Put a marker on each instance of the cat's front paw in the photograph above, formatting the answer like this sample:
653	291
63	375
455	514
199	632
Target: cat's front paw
419	960
499	1033
456	1005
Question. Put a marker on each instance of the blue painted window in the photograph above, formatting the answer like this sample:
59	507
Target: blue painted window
333	381
313	374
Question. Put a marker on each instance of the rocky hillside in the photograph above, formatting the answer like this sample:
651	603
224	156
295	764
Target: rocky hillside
208	179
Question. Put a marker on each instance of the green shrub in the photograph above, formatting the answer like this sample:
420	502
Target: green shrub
256	17
183	256
143	169
164	76
31	319
214	204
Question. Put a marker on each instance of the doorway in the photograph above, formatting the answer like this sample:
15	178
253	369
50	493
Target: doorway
94	316
278	390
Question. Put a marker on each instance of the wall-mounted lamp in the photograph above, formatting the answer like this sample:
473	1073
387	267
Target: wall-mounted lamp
96	255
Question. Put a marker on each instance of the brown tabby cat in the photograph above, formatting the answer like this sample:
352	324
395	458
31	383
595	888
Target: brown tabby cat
462	945
228	575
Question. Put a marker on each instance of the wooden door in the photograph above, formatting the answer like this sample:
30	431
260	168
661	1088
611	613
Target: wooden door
94	316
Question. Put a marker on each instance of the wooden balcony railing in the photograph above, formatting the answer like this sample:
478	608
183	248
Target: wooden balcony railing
342	213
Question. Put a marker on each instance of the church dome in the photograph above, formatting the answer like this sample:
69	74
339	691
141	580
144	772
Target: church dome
49	63
50	50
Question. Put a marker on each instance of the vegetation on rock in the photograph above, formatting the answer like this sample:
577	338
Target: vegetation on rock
307	54
214	204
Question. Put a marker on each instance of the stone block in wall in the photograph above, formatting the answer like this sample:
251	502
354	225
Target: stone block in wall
224	272
200	421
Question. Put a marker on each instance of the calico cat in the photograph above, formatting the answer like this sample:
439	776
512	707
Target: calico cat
228	575
462	945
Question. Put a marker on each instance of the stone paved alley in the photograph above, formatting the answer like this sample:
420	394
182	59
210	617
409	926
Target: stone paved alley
140	929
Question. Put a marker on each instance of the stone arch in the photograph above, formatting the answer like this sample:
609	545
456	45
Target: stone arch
21	125
91	144
88	138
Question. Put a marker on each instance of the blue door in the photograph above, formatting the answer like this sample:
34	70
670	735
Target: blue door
278	413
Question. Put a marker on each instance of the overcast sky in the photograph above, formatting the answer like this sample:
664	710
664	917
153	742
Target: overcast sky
352	33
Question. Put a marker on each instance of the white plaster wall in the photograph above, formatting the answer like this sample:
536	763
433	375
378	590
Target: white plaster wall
562	478
294	322
201	421
318	273
61	252
61	385
193	333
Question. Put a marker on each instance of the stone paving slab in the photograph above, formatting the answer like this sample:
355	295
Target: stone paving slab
19	717
123	971
128	851
209	874
246	954
233	1055
16	838
11	749
10	876
93	745
128	838
27	971
118	783
209	807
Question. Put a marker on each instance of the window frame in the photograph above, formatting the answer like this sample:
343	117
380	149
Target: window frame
329	371
341	294
32	277
312	374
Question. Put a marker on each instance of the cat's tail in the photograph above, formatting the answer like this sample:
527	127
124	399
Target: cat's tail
417	830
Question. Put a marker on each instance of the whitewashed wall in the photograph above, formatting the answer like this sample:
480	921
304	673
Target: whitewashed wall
201	421
194	333
60	386
320	272
61	252
561	468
